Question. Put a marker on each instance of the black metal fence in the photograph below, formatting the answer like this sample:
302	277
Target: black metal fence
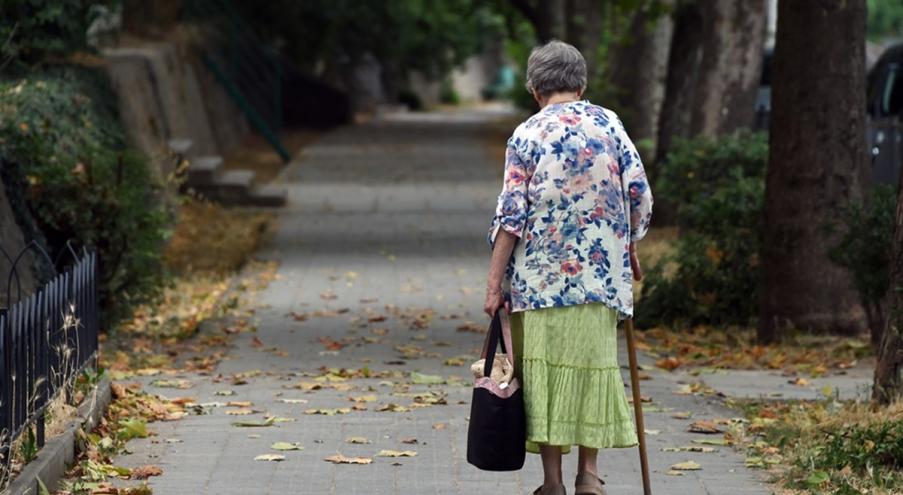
46	339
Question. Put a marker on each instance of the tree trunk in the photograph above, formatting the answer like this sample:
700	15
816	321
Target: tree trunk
817	164
639	88
584	30
889	369
731	67
684	59
552	20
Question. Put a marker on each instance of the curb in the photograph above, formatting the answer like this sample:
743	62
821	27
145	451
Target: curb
58	453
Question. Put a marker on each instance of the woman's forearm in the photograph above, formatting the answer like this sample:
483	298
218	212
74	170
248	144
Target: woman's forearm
501	253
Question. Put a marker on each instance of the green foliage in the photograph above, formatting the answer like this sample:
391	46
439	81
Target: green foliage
319	35
852	456
28	448
65	151
34	30
718	188
885	19
447	93
864	246
861	447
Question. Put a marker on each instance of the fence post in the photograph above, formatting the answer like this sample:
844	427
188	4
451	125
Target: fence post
38	325
6	429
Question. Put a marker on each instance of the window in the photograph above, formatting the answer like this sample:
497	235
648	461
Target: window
892	91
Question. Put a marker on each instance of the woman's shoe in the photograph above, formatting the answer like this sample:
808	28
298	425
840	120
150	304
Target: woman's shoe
558	490
589	484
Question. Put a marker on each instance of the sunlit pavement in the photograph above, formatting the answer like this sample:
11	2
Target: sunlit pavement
388	219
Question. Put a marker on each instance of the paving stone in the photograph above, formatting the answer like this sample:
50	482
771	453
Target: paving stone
390	213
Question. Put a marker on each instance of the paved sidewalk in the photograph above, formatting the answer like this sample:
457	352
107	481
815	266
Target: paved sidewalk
389	213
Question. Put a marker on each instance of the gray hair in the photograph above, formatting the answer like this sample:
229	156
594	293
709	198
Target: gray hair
556	67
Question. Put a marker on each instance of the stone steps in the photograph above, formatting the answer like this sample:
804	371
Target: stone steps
205	176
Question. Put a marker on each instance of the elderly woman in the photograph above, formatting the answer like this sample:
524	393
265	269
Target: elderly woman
575	200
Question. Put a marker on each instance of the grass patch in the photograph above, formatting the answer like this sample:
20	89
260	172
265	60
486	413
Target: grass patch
826	446
212	239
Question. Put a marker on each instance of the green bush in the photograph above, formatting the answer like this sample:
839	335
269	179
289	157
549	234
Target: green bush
35	30
864	247
448	94
64	153
713	274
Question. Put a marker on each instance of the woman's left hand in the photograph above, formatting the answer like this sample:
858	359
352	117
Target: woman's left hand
635	263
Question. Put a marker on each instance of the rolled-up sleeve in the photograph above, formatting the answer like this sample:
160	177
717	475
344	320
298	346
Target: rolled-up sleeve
637	190
511	211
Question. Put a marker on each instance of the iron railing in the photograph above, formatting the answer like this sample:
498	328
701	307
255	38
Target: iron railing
46	339
247	69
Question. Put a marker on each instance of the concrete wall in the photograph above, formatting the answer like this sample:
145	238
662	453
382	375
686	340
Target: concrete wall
164	94
12	241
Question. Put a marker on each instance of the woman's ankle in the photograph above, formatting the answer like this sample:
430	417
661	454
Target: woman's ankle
593	470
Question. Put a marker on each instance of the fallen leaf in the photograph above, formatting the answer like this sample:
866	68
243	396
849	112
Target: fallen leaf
286	446
239	403
254	424
710	441
669	363
242	411
340	459
270	457
256	342
686	466
422	379
409	441
363	398
799	381
145	472
392	408
357	440
704	426
224	392
682	415
469	326
293	401
440	426
329	412
691	448
179	384
396	453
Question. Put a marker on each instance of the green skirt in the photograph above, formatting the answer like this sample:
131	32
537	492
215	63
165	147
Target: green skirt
567	364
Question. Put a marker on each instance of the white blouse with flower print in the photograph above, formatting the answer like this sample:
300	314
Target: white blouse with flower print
576	195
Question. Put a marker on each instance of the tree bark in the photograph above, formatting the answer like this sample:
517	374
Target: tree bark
583	30
889	369
817	164
684	60
731	66
639	88
546	16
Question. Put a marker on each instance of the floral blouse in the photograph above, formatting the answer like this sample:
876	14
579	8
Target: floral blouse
575	194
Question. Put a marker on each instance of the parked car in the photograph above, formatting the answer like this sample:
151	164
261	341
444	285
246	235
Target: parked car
885	116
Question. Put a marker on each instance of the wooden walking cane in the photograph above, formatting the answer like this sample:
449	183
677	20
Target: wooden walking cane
637	405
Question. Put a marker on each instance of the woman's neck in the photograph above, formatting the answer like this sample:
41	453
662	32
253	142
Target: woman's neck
563	97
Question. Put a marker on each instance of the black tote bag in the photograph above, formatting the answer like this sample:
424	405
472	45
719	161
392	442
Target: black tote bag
497	434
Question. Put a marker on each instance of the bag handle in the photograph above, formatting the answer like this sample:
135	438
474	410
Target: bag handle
500	325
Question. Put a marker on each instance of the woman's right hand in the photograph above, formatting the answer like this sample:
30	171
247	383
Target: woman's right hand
494	301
